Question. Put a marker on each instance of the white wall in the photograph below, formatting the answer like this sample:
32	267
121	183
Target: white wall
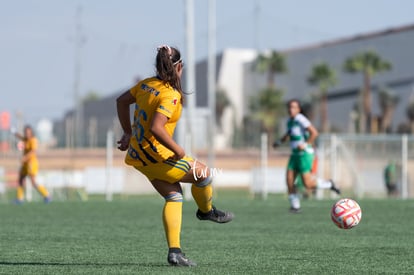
230	78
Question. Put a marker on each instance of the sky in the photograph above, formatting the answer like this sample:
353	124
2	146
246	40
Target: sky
119	40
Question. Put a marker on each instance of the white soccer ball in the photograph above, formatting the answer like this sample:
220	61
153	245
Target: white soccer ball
346	213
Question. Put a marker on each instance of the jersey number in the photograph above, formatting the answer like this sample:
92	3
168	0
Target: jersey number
140	115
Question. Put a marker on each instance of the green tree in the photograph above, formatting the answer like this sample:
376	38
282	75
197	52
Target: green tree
272	64
369	63
309	105
267	107
388	100
222	101
91	96
324	77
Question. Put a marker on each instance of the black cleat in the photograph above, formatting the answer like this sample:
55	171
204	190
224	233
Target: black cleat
179	259
295	210
334	188
215	215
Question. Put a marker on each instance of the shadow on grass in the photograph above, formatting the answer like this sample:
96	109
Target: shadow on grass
6	263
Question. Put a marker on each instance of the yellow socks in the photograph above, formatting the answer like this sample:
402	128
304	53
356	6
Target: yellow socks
20	193
43	191
172	217
172	212
203	194
40	188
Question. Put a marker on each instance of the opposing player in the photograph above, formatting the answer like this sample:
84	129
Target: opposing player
300	187
152	150
29	166
301	134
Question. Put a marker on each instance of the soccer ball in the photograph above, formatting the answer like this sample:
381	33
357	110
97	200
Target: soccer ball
346	213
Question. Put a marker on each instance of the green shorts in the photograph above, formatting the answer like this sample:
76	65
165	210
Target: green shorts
301	163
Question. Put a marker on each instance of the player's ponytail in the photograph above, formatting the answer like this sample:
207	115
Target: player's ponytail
166	60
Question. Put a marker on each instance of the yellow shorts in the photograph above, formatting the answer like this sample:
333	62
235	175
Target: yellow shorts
29	168
170	170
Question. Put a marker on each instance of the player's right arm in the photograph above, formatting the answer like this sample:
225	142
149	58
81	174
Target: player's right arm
17	135
283	139
122	107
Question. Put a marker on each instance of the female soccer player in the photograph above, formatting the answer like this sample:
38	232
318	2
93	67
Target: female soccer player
29	165
302	135
152	150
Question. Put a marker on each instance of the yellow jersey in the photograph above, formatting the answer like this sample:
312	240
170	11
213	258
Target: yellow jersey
31	166
152	95
30	144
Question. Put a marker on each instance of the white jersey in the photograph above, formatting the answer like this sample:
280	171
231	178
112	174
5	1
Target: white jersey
297	131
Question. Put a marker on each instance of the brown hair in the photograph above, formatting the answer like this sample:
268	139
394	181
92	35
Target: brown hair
28	127
167	58
296	101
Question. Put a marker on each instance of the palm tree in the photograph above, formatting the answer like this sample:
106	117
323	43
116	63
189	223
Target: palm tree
91	96
309	105
324	77
271	64
388	100
267	107
369	63
222	102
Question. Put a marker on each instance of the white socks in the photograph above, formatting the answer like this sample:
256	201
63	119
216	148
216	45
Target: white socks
323	184
294	201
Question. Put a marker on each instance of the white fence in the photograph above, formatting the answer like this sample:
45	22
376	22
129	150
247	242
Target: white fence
123	180
355	162
2	184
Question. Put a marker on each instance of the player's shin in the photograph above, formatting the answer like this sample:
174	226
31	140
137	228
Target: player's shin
172	217
42	190
203	193
20	193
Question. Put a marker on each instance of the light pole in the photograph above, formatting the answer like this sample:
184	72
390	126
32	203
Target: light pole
211	80
79	41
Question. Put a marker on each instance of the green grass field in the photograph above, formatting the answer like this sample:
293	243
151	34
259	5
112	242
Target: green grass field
126	237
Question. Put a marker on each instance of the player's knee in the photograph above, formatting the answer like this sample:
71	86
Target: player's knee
204	182
174	197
